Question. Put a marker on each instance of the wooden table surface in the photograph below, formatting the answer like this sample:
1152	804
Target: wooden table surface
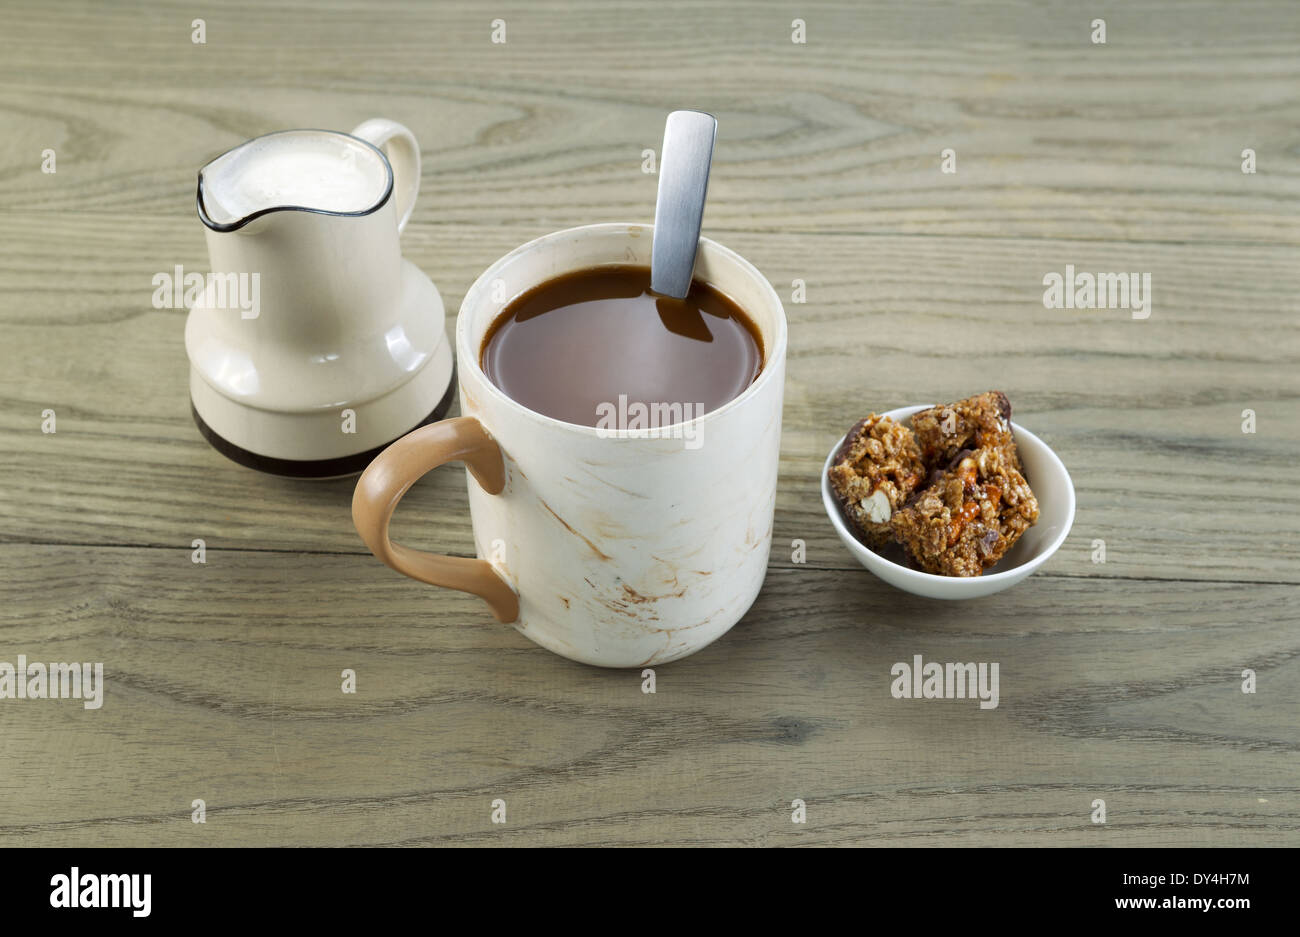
1120	681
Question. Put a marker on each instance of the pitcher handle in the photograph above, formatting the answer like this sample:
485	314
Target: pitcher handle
384	482
403	152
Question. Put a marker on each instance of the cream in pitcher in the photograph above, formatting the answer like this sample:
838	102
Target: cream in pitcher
321	172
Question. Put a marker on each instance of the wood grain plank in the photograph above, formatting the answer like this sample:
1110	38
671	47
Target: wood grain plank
1119	680
1145	413
1138	139
222	682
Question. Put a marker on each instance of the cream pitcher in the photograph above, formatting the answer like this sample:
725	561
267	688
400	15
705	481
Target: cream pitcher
314	343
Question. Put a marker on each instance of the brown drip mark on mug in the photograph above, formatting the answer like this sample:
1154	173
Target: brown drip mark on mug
637	597
594	549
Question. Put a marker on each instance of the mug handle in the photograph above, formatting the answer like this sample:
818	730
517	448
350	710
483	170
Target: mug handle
403	152
396	469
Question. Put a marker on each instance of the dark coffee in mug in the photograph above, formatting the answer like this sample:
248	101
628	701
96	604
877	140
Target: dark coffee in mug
597	342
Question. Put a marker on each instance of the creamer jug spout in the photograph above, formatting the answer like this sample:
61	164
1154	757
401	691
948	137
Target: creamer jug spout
293	170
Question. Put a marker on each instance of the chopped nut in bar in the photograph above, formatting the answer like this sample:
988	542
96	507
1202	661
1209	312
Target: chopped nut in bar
973	423
873	474
967	519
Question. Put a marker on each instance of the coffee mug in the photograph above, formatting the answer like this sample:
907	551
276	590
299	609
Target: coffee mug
613	547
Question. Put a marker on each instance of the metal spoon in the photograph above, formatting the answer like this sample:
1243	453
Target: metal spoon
683	183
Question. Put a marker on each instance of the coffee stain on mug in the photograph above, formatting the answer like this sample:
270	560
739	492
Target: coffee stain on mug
594	549
639	599
601	479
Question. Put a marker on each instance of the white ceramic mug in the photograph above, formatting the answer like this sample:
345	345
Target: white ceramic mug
605	546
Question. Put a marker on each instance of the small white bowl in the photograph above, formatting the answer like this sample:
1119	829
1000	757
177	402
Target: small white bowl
1052	487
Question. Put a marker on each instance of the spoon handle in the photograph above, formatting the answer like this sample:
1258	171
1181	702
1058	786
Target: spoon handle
679	210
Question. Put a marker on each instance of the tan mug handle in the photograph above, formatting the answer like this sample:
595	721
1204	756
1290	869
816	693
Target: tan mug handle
391	475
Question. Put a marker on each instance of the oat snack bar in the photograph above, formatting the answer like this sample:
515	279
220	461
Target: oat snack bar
874	473
970	515
973	423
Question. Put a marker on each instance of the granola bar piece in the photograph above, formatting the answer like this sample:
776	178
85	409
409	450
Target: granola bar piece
974	423
969	516
874	473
